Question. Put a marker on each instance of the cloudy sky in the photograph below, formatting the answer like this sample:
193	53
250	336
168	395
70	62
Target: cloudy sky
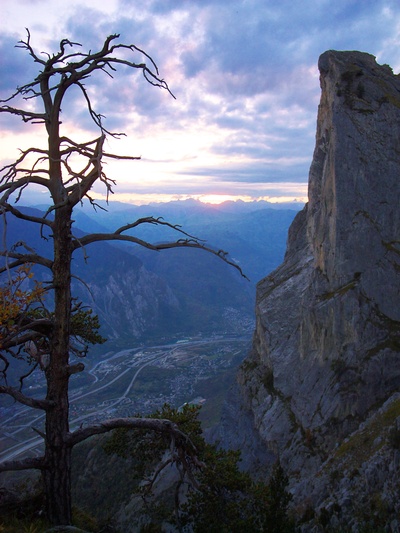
244	73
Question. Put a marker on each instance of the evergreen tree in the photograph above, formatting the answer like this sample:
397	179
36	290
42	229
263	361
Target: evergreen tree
213	494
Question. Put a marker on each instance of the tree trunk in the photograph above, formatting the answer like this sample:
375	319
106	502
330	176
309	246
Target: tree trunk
57	475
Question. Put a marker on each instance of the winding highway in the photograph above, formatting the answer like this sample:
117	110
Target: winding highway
19	425
20	448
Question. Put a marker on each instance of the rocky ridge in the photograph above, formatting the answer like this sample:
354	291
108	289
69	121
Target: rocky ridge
321	384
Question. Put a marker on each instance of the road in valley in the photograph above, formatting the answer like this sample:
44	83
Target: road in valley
106	379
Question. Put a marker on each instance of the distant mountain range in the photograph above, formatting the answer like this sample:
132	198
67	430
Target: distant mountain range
140	294
254	233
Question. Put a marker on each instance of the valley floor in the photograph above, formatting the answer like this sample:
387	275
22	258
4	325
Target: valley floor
130	382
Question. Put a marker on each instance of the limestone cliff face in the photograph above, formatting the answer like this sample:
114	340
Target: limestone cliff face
325	363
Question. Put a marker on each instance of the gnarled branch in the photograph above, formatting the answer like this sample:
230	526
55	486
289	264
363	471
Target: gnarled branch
23	259
190	242
6	207
154	424
37	463
26	400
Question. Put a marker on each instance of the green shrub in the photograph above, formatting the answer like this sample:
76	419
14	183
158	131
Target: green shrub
221	498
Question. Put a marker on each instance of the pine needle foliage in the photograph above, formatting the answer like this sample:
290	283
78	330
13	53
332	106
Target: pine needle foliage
217	496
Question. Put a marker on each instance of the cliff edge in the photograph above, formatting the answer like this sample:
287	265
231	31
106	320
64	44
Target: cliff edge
321	384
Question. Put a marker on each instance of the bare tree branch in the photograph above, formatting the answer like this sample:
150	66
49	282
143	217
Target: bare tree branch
5	367
6	207
22	259
157	222
26	400
27	116
154	424
30	463
191	242
33	328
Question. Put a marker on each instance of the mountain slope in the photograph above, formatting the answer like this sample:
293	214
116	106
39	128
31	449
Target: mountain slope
142	295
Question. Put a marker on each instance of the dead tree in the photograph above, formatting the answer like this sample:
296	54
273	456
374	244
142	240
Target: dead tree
55	169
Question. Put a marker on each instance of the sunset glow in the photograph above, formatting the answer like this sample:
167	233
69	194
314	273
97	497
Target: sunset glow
242	123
